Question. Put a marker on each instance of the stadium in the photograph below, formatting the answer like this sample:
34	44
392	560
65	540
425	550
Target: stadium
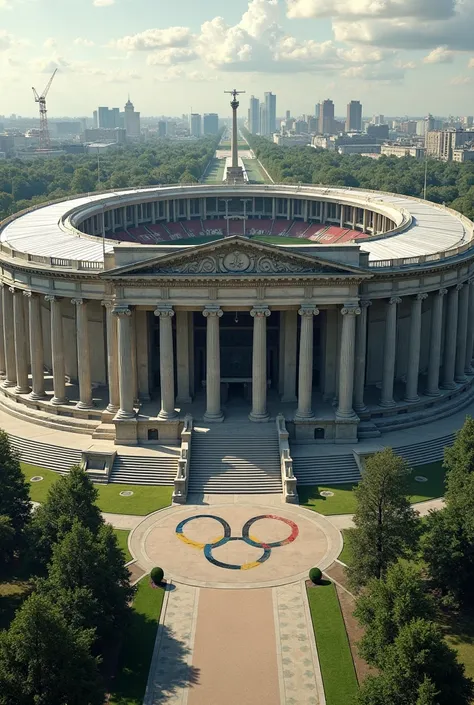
341	314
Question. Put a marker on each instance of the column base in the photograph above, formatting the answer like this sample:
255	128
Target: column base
411	400
461	380
84	405
7	384
121	415
58	401
304	416
346	415
37	396
387	404
183	400
360	409
449	386
22	390
167	415
259	417
214	418
112	409
467	371
432	393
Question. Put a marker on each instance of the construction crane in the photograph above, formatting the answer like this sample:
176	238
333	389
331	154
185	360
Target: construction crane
41	99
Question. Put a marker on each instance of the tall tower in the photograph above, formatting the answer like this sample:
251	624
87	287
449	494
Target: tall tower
326	117
270	110
235	173
354	116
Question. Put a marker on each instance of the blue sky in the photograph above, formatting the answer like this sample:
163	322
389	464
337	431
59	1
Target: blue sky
397	56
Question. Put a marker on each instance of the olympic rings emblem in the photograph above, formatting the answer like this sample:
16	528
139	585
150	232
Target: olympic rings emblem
250	540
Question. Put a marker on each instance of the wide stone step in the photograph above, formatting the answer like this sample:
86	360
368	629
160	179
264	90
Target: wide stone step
45	455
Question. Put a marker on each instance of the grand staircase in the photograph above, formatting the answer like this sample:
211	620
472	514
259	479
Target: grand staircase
159	468
325	470
230	460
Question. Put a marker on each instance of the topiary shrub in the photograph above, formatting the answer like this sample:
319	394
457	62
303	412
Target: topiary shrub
156	576
315	575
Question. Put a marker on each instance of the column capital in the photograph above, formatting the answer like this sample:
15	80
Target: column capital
28	294
470	281
442	292
77	302
365	303
213	312
308	310
421	297
108	303
12	289
350	310
121	311
459	287
165	311
394	300
260	312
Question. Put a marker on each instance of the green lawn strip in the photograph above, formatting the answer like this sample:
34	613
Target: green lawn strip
337	667
129	686
122	538
345	554
459	631
145	498
15	586
343	499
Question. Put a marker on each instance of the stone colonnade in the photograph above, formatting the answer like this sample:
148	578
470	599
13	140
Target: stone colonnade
457	344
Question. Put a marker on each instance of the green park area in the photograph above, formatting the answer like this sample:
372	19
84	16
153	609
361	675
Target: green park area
215	172
255	172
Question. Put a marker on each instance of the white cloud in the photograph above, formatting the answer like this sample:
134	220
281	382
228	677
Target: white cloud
50	43
460	80
453	32
6	40
435	9
152	39
471	64
377	73
171	56
103	3
81	42
440	55
177	73
49	64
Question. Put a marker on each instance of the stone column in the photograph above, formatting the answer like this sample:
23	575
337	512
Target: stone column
2	345
450	338
21	354
360	356
57	351
347	361
432	387
122	314
305	372
461	337
112	357
389	354
290	345
259	364
36	346
83	355
165	313
213	364
9	337
414	345
182	356
470	330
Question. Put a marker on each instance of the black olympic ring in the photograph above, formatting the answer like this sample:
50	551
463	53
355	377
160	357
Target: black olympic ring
251	541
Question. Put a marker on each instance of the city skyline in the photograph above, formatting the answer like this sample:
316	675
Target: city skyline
405	57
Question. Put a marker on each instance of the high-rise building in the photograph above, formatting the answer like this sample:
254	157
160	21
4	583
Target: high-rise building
270	113
441	144
162	129
254	116
354	116
317	111
131	121
288	115
326	117
195	125
95	119
109	119
263	119
211	124
378	120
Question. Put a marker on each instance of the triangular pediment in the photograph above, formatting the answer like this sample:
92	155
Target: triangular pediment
234	256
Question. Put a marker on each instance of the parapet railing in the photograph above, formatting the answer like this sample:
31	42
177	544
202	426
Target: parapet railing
405	218
288	479
181	480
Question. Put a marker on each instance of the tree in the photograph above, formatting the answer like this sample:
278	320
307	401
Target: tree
419	664
87	578
14	494
71	497
388	604
459	465
46	661
386	525
7	538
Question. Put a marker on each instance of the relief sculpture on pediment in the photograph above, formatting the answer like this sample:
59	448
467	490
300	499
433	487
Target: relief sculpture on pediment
240	262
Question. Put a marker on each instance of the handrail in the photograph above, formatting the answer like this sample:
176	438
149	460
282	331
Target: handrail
404	223
288	478
180	491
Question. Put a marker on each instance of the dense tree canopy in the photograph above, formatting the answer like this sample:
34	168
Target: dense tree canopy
23	184
386	525
450	183
14	499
